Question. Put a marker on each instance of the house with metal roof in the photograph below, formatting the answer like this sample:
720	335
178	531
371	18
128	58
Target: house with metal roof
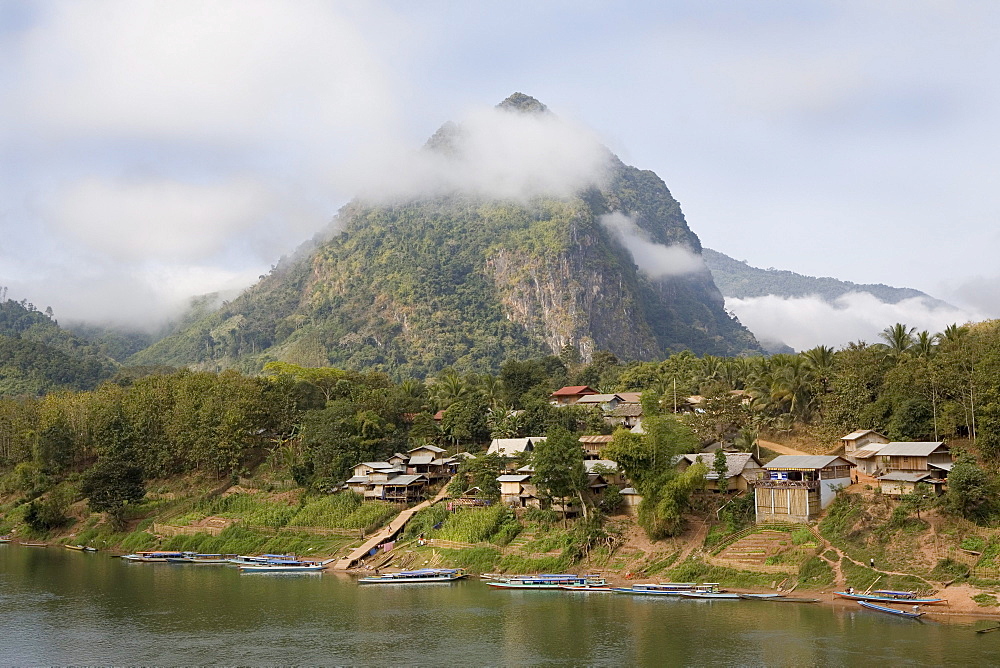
795	488
511	488
593	444
511	447
605	402
863	440
569	395
742	468
902	465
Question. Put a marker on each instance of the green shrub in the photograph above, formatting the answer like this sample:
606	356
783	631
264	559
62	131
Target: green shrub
816	573
475	525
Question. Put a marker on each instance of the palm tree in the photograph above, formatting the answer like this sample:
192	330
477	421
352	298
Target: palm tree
898	338
924	345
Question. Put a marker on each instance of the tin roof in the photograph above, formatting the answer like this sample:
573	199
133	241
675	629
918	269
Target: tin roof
736	462
405	480
910	449
598	398
590	464
416	460
805	462
378	465
512	477
855	435
512	446
867	452
432	448
899	476
573	390
627	410
596	438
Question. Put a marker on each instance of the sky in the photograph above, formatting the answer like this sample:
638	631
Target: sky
151	151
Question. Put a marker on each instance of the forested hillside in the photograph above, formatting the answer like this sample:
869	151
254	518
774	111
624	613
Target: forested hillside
468	281
737	278
37	356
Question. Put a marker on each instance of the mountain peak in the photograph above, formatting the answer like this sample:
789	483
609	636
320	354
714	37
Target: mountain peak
523	103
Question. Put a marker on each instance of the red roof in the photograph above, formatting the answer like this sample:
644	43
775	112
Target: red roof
574	390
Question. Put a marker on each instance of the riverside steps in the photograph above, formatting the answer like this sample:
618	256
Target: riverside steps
390	531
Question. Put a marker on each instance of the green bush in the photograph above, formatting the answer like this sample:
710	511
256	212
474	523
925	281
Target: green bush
475	525
816	573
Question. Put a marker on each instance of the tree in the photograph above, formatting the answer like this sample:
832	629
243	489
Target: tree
970	490
898	338
721	468
110	486
559	469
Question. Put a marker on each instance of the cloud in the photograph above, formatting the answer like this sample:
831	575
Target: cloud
653	259
490	152
806	322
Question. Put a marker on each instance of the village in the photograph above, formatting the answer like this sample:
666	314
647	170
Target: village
791	488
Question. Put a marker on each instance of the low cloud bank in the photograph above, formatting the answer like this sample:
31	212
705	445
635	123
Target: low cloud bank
653	259
805	322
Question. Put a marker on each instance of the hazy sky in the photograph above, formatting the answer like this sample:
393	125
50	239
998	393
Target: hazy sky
154	150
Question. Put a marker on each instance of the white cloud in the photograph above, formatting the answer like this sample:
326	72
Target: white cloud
655	260
496	153
805	322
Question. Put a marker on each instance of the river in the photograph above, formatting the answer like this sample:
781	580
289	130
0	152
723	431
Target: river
63	607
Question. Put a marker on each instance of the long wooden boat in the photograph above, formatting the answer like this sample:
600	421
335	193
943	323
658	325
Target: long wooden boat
33	544
670	589
81	548
710	595
197	559
886	596
891	611
286	567
151	557
5	539
778	598
421	576
250	560
545	581
588	589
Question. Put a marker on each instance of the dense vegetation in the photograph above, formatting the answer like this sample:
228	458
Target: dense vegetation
37	356
314	424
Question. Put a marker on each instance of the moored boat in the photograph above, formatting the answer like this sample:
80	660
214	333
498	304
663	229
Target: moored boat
888	596
200	559
151	557
670	588
545	581
421	576
285	566
710	595
587	588
33	544
5	539
778	598
81	548
915	614
251	560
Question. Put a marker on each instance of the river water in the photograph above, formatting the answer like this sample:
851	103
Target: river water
62	607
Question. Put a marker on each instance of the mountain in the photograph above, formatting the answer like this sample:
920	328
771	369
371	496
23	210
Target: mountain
38	356
736	278
465	279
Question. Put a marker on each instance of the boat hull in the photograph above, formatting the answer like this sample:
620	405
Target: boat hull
889	599
402	581
281	569
891	611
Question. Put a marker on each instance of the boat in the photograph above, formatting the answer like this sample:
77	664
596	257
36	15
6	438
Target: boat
888	596
33	544
242	559
778	598
670	588
285	566
545	581
710	595
81	548
200	559
588	588
151	557
892	611
421	576
5	539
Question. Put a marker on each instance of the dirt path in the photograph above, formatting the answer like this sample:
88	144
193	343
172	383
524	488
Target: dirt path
779	448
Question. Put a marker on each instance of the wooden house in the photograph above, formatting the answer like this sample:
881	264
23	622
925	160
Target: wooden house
861	440
511	488
742	468
899	483
364	468
433	450
625	415
511	447
795	488
594	444
402	488
569	395
915	456
605	402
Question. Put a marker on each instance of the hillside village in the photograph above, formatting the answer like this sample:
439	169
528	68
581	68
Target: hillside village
789	488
